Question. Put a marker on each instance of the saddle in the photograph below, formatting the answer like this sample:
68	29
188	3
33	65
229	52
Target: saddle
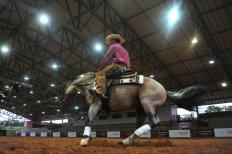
127	77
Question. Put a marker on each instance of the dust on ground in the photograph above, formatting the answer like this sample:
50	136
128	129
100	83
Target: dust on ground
49	145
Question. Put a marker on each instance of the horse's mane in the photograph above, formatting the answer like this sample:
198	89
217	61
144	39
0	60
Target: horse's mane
87	75
83	77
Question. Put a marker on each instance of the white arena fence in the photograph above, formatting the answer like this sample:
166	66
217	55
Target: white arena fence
184	133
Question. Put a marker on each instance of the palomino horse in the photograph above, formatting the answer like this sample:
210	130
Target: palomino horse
144	98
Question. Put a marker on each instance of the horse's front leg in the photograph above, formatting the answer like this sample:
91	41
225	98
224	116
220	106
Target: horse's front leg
93	110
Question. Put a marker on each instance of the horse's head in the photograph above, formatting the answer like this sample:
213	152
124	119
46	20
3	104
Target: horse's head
83	81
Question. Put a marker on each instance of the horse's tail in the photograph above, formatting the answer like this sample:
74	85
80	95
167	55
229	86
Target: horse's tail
188	97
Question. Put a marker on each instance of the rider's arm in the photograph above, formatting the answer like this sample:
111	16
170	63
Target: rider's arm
108	57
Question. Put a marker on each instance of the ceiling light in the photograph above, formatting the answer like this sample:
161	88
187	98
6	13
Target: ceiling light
78	92
5	49
30	114
24	104
43	112
7	87
38	101
56	97
14	96
2	100
52	85
54	66
224	84
76	107
98	47
43	18
13	107
152	76
211	62
31	92
26	78
173	16
58	110
194	40
3	95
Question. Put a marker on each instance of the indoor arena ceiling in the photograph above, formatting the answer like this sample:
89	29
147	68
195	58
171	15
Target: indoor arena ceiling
197	49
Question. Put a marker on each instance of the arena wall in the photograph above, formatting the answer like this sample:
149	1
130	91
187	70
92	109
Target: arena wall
165	113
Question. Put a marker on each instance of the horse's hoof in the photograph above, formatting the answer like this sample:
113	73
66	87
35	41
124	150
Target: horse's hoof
129	141
126	142
120	143
84	142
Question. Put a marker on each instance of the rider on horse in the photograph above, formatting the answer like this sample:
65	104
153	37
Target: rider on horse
116	59
145	98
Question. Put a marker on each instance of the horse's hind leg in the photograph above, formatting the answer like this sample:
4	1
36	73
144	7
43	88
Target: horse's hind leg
93	110
140	115
140	118
153	120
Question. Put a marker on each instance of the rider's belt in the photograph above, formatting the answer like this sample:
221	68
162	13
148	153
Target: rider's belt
138	79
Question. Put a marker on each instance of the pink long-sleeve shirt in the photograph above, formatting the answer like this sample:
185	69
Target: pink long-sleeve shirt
116	53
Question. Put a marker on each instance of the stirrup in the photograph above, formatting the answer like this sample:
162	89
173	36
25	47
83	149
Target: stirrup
94	93
104	96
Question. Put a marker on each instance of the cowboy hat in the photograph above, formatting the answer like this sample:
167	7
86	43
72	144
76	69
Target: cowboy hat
110	37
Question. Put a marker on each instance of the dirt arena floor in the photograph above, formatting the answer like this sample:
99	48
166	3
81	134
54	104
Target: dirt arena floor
38	145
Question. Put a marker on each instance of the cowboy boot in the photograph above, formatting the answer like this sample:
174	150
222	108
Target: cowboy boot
94	93
104	96
101	86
